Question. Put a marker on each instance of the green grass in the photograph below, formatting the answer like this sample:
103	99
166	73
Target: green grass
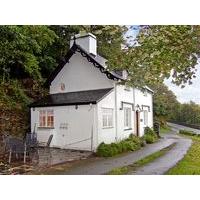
190	164
165	129
126	169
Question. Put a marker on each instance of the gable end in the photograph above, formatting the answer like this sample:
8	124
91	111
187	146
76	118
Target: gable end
76	48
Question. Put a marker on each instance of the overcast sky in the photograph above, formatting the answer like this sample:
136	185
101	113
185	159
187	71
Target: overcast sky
190	92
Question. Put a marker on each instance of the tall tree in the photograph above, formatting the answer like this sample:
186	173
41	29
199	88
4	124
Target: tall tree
22	49
165	103
162	51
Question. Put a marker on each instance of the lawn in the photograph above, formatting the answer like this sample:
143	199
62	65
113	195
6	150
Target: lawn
165	129
140	163
190	164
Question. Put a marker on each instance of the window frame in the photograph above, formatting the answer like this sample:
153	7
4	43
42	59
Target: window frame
127	117
145	117
46	118
107	118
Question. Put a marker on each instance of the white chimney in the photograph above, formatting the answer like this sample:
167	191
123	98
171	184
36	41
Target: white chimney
87	41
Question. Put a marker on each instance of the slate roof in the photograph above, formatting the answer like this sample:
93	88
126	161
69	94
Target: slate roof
72	98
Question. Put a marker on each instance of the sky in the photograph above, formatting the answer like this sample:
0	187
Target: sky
190	92
184	95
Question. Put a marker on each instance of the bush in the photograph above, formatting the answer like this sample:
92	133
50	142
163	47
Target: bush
150	139
105	150
130	144
149	135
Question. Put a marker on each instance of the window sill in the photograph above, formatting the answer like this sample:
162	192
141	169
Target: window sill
46	127
107	127
128	129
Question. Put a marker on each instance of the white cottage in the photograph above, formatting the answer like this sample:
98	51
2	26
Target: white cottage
86	104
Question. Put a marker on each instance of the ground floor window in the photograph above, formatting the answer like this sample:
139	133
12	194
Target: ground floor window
107	117
46	118
127	117
145	117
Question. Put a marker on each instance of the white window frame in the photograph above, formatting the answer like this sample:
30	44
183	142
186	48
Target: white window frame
107	117
127	117
48	118
145	117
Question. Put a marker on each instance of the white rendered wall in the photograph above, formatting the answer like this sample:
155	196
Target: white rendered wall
125	96
141	99
107	135
80	125
118	131
79	75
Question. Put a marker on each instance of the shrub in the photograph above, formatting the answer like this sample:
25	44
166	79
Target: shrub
149	135
108	150
150	139
104	150
143	141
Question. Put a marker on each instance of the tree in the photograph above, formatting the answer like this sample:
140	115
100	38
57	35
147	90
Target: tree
22	49
165	103
162	51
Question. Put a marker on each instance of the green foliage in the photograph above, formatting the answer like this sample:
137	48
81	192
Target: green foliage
186	132
21	48
108	150
188	113
133	167
189	165
32	53
163	50
165	129
164	103
150	136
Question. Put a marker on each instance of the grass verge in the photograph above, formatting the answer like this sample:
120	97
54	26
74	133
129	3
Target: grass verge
190	164
164	130
130	168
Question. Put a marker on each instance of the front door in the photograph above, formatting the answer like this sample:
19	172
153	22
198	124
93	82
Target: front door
62	135
137	123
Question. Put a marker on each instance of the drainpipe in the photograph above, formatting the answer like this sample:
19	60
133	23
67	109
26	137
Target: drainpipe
116	134
94	131
134	128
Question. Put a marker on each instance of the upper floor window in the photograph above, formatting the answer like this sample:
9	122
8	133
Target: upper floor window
46	118
127	118
107	117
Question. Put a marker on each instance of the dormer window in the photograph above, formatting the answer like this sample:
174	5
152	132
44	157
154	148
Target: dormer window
62	87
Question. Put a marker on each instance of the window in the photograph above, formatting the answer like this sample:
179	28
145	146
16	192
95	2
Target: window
145	117
107	117
46	118
127	118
